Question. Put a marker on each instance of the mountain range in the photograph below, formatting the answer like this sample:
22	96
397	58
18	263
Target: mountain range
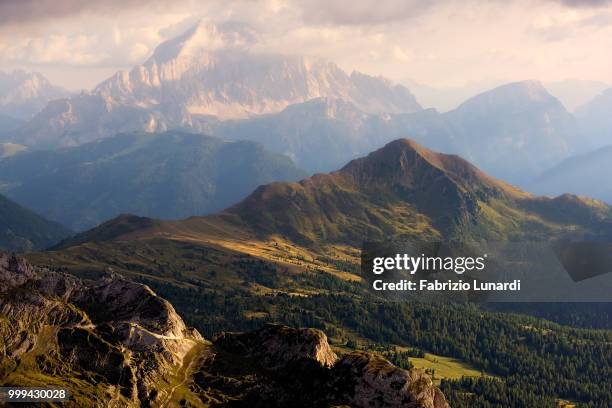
290	253
165	175
213	79
400	190
208	72
573	93
514	131
519	120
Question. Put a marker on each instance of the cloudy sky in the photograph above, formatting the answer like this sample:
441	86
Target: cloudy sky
78	43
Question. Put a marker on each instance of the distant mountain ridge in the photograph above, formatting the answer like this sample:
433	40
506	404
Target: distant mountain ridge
573	93
581	174
210	70
595	121
22	230
521	121
514	131
213	79
169	175
23	94
208	73
402	189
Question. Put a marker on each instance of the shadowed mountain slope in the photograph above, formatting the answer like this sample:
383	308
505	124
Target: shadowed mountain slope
401	189
24	230
171	175
580	174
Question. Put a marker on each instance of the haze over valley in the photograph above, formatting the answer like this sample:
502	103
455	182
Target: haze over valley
188	192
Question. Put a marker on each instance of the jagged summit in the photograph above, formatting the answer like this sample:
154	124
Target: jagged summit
212	70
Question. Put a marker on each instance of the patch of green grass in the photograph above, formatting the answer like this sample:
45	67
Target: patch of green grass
446	367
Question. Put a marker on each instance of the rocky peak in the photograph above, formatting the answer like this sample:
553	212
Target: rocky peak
212	70
369	380
278	346
406	162
357	379
14	271
128	347
22	94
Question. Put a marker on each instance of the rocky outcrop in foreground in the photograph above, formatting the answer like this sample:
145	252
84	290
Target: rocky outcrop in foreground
277	347
296	367
114	334
369	380
113	342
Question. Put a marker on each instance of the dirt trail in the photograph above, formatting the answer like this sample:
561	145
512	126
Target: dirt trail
183	375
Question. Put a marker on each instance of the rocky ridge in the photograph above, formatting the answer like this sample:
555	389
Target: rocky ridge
302	361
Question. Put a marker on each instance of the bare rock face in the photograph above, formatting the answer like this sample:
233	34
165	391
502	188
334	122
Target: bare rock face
358	379
119	330
8	277
278	346
369	380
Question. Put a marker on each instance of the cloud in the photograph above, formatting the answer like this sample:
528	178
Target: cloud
72	50
567	23
20	12
447	42
350	12
400	54
318	12
585	3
